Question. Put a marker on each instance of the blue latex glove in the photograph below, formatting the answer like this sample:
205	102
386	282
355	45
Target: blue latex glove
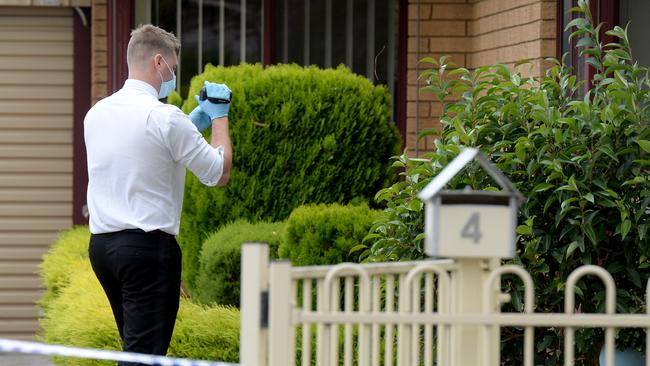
215	90
200	119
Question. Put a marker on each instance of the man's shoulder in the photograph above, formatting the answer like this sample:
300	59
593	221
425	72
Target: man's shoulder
167	112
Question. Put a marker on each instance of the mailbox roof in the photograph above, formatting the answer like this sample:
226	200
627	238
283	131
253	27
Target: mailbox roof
453	168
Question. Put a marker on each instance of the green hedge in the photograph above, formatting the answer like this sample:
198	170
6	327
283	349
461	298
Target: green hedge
68	254
325	234
78	312
220	261
300	135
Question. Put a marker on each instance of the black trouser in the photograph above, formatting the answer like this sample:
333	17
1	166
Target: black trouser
141	274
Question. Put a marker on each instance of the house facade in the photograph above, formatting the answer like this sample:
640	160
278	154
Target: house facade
58	57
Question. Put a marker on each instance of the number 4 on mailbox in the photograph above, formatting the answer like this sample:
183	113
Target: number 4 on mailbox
469	223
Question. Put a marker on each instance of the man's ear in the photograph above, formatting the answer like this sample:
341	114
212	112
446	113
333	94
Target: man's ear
157	61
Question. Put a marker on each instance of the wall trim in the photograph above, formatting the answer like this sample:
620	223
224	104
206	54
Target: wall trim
81	105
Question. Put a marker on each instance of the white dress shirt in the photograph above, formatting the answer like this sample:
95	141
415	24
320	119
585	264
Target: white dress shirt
137	149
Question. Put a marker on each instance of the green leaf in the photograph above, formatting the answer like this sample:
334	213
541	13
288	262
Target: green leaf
645	145
593	62
357	248
415	205
589	197
429	60
634	276
605	202
636	180
572	247
543	187
524	230
625	228
577	22
586	42
607	150
590	233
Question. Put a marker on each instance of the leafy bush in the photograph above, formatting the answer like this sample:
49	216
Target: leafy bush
582	163
218	279
300	135
175	99
80	315
325	234
69	253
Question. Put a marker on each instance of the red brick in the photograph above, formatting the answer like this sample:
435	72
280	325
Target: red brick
549	10
438	27
528	50
506	19
99	28
98	12
424	44
412	92
511	36
99	90
423	108
425	11
99	44
411	139
450	44
99	75
441	1
100	59
451	11
489	7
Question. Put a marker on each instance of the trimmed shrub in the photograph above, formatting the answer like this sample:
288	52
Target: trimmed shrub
68	254
300	135
81	316
218	279
206	332
175	99
581	161
325	234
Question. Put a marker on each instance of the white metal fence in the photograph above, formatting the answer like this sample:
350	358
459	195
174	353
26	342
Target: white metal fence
405	313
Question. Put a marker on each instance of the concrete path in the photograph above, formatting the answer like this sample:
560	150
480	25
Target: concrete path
13	359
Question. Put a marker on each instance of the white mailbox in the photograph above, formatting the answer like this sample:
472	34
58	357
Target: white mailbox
468	223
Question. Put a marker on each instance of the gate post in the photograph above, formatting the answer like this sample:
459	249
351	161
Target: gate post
468	287
253	300
476	228
281	332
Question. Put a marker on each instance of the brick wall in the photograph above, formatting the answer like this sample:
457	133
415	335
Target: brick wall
507	31
99	51
474	33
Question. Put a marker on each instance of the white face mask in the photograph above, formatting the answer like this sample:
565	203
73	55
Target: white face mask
166	87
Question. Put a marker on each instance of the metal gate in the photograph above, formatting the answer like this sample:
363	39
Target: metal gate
439	312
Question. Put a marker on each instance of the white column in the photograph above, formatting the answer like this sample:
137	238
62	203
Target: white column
254	281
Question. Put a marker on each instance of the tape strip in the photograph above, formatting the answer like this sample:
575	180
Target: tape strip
14	346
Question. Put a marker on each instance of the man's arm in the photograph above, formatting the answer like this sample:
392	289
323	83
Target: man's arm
221	137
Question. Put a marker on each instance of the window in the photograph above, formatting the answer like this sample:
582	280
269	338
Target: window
636	12
361	34
220	32
610	12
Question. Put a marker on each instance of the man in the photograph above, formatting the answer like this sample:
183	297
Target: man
138	149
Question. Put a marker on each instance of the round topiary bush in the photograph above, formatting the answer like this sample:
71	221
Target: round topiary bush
325	234
218	279
300	135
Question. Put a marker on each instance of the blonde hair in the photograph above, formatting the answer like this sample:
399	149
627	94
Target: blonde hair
148	40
